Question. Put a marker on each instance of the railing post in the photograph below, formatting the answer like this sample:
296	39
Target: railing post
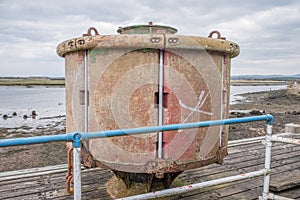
77	166
268	144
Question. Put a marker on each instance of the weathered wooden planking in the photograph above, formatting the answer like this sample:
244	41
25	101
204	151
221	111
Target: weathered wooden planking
285	180
240	164
53	187
282	160
49	169
293	193
239	189
37	184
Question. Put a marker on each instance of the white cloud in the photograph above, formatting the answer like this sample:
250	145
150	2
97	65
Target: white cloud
267	31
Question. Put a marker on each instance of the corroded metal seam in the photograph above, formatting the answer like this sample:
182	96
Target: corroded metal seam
155	41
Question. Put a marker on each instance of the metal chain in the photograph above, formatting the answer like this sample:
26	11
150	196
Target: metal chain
69	176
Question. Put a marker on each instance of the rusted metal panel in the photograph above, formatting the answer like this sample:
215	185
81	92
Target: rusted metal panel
123	78
194	81
122	95
74	84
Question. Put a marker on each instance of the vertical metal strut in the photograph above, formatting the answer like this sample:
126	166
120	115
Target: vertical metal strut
86	95
222	97
160	101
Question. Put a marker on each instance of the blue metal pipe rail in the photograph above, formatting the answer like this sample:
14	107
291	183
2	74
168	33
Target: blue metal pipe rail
76	137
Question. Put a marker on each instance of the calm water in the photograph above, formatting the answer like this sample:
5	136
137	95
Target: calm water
236	90
49	104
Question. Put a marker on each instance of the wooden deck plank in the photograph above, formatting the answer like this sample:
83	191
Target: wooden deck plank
233	189
49	169
285	180
238	189
56	190
239	167
291	193
292	161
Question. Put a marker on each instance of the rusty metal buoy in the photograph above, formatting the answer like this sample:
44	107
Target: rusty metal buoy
147	76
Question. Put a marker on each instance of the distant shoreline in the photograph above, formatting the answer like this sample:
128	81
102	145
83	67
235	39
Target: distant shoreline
257	82
45	81
32	81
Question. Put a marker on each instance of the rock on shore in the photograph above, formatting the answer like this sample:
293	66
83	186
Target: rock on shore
284	105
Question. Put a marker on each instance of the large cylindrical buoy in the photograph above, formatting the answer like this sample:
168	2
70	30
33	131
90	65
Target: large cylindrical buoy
147	76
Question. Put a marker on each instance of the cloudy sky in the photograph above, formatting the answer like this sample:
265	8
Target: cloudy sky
268	31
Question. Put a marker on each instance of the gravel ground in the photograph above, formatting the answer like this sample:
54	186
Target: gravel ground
284	105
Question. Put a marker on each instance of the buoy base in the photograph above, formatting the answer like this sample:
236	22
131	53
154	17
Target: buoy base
128	184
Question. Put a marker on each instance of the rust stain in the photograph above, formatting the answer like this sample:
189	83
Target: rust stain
123	89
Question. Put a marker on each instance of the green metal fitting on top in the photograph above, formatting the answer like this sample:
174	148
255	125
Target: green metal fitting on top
147	29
